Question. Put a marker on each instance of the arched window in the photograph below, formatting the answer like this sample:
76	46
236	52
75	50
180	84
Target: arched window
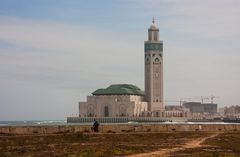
155	36
122	110
156	59
106	111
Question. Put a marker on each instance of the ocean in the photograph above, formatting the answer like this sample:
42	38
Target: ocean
64	122
33	122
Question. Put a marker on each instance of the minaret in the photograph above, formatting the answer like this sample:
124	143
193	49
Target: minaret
154	70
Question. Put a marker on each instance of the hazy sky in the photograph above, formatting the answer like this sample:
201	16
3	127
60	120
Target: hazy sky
55	53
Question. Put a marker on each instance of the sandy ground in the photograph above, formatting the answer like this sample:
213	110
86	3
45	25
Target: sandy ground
166	152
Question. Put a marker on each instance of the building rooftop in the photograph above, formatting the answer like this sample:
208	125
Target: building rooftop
119	89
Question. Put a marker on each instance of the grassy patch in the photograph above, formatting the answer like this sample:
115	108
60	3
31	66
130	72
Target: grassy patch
92	144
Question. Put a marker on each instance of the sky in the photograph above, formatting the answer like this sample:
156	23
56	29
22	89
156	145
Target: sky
55	53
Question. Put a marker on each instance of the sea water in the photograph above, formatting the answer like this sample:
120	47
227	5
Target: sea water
64	122
33	122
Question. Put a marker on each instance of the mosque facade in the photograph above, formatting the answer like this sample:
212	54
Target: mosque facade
126	100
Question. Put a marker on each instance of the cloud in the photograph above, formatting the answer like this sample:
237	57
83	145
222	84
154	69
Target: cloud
56	64
51	35
215	19
48	51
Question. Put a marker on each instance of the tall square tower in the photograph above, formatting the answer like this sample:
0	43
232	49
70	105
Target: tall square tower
154	69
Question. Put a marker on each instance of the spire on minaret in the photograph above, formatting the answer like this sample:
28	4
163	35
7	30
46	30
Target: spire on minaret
153	31
153	25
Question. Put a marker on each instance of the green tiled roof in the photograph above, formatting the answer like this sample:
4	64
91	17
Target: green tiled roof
119	89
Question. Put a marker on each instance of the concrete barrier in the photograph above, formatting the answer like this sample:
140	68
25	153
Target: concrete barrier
118	128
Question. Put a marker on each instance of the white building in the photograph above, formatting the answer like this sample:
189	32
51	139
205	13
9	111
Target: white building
121	100
125	100
128	100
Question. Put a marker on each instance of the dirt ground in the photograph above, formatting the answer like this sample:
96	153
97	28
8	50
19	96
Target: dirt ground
122	144
193	143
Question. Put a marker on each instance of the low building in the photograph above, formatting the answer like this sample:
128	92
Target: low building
232	111
119	100
197	107
176	111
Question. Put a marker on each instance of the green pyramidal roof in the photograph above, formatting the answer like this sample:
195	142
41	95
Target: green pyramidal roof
119	89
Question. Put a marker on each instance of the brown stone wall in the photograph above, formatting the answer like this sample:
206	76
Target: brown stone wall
118	128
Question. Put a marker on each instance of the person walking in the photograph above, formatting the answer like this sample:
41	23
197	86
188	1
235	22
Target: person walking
95	126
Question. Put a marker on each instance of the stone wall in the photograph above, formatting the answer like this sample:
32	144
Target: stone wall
118	128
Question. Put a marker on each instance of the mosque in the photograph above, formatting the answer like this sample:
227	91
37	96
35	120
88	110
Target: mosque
126	100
